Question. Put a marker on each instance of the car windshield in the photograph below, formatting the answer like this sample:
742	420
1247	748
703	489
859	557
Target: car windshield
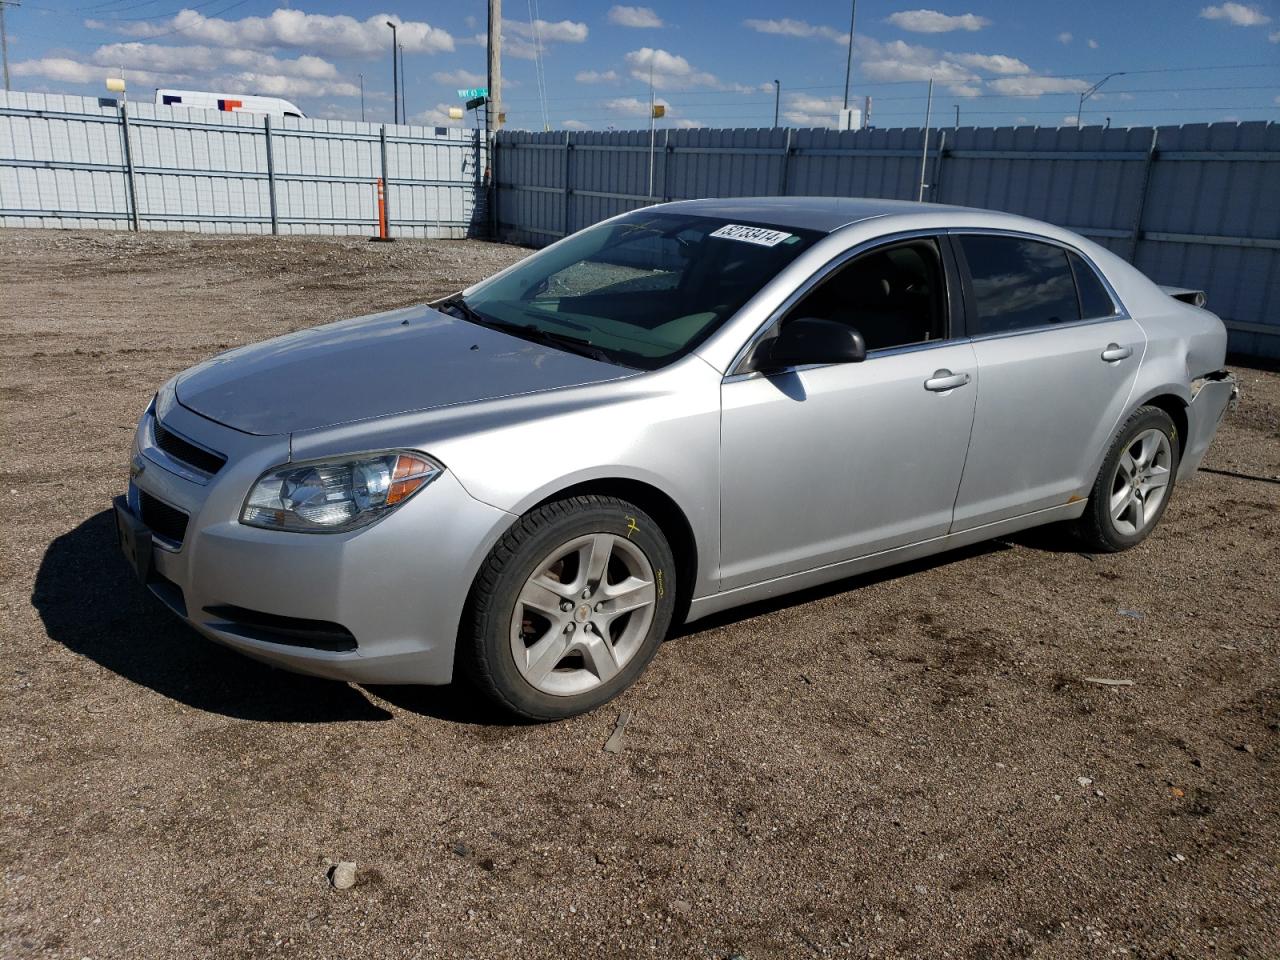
641	291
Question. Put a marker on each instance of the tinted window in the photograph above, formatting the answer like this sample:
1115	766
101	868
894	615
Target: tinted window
1094	299
1019	283
892	296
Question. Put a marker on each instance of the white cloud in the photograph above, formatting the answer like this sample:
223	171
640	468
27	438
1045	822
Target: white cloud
200	59
964	90
293	29
66	70
1037	86
931	21
575	125
1064	38
1093	44
787	27
517	36
804	110
684	123
562	31
634	106
595	76
438	116
991	63
1275	37
1069	121
624	16
1238	14
668	69
462	78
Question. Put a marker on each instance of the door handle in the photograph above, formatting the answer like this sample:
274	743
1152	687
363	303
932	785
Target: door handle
1115	353
944	380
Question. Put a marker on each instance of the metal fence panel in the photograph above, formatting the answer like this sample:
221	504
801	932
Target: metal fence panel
63	163
1195	206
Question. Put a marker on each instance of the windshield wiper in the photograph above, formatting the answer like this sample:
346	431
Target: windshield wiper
457	303
527	331
562	340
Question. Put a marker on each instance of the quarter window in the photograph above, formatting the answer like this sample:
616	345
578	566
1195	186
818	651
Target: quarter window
1095	302
893	296
1019	284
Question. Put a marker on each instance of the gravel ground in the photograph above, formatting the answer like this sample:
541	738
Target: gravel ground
908	764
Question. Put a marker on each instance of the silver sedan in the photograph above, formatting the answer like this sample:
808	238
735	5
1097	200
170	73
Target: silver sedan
680	410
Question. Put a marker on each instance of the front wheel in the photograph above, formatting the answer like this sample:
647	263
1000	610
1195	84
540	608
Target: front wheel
568	608
1133	487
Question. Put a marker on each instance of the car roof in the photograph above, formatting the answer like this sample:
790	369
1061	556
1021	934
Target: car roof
809	213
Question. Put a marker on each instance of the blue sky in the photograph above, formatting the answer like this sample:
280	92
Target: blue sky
1003	62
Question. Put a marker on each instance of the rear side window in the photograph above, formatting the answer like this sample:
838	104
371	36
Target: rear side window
1095	302
1019	284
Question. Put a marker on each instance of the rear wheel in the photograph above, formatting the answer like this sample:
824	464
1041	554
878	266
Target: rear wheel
568	608
1133	487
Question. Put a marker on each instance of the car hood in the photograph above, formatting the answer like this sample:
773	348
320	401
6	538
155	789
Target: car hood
398	362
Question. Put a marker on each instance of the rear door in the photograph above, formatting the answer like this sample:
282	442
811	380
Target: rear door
1057	359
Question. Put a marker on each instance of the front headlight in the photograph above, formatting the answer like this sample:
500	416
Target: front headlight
334	496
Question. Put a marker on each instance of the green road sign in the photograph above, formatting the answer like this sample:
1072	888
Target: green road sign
472	93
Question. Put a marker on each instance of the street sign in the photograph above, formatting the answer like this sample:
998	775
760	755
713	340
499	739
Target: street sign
472	93
475	102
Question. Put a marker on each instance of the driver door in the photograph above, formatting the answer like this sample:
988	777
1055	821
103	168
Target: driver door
826	463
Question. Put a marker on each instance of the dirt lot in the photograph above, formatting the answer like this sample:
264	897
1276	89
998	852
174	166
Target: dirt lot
903	765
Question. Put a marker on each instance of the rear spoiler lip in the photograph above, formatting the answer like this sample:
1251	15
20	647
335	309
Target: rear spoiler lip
1189	295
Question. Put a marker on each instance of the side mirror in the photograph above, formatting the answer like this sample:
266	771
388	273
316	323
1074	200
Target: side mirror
808	340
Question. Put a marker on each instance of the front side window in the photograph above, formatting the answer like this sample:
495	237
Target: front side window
894	296
1018	284
640	291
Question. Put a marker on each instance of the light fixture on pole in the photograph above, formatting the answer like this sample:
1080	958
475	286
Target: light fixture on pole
395	76
1085	95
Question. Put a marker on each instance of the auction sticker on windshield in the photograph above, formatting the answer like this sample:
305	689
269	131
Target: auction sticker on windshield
758	235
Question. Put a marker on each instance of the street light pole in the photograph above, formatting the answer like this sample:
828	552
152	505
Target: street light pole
361	76
848	64
777	98
404	82
1091	91
395	77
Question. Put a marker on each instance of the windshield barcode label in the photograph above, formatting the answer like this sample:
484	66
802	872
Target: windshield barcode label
757	235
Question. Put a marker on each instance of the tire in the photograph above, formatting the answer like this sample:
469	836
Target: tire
1099	528
553	662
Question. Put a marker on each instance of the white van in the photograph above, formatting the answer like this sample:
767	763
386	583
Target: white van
240	103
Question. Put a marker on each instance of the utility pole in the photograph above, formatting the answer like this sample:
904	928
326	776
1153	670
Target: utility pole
924	152
361	76
957	116
1091	91
848	64
493	109
395	77
777	98
4	39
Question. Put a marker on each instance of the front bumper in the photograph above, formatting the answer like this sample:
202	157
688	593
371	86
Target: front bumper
397	587
1213	395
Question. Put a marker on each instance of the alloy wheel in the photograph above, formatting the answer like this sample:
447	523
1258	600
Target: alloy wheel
1140	482
583	614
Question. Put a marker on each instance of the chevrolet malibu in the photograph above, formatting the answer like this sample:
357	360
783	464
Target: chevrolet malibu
680	410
